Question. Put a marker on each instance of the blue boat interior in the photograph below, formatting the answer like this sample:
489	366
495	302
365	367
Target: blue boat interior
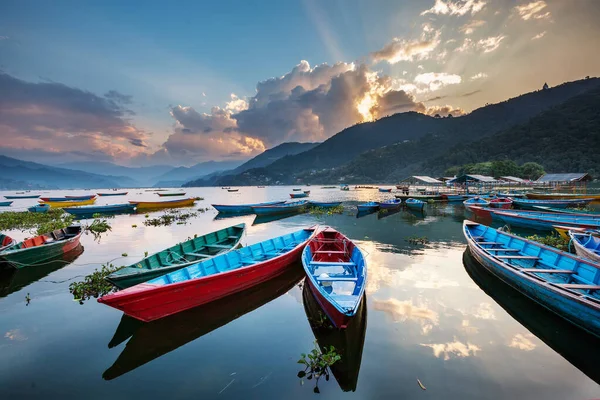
337	268
588	241
561	270
236	259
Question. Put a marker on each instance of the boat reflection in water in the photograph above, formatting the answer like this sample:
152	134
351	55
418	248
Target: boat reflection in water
263	219
12	279
577	346
155	339
348	343
221	216
363	213
387	212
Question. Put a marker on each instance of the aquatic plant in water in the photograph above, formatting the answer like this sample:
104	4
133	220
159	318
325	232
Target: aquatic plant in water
170	217
326	210
552	241
421	240
317	364
94	284
55	218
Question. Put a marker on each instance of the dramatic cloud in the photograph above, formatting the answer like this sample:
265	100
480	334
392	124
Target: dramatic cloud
486	45
539	36
533	10
404	50
435	80
57	118
522	342
401	311
480	75
453	349
470	27
459	7
445	111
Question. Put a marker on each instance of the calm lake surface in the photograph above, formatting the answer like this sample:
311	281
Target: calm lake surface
432	314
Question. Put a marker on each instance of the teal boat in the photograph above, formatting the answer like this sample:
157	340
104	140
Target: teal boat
6	241
5	203
25	196
178	256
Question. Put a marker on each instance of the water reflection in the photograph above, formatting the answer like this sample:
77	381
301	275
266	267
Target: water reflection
263	219
155	339
221	216
577	346
388	212
12	279
347	342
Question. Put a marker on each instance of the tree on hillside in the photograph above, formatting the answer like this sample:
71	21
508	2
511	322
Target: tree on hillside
532	170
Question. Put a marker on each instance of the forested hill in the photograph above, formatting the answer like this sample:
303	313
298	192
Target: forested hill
563	139
400	143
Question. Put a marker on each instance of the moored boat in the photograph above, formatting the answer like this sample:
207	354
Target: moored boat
587	245
178	256
564	283
481	212
67	198
306	192
108	209
385	190
563	196
68	203
39	208
415	204
5	203
325	204
501	203
36	250
424	197
546	221
564	210
82	197
241	208
366	207
210	280
296	189
148	205
113	194
232	190
345	188
336	273
6	241
454	197
476	201
291	207
171	194
25	196
298	195
388	204
528	204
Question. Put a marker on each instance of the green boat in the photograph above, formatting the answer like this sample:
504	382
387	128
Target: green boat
178	256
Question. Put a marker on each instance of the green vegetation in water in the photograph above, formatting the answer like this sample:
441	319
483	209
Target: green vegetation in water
317	364
55	218
552	241
170	217
94	284
420	240
326	210
134	226
98	227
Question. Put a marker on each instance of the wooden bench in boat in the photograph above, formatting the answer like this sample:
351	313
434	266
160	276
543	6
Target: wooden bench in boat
333	263
249	262
336	279
511	250
490	243
218	246
329	252
547	271
577	286
517	257
197	255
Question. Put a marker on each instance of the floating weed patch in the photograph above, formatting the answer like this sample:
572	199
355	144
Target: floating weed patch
55	218
552	241
98	227
418	240
326	210
317	364
94	284
170	217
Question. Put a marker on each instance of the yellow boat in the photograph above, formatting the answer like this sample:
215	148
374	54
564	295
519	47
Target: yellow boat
563	196
563	231
74	203
147	205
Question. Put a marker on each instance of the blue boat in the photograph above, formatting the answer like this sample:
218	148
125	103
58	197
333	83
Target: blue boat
514	195
5	203
528	204
242	208
109	209
367	207
454	197
476	201
587	245
292	207
384	190
415	204
25	196
562	282
564	210
325	204
298	195
39	208
392	203
337	275
545	221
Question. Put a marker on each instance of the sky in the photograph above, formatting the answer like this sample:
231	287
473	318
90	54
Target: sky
177	83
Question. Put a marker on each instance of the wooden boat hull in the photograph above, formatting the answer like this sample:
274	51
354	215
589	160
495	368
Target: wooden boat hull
481	212
170	194
389	206
6	241
149	302
75	203
164	261
156	205
280	209
84	197
561	196
30	256
35	196
112	194
385	190
367	207
566	304
415	205
39	208
424	197
586	246
241	208
454	197
571	211
325	204
298	195
528	204
546	221
5	203
109	209
501	204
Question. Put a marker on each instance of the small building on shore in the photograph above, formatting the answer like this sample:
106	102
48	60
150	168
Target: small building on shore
564	178
472	178
421	180
513	179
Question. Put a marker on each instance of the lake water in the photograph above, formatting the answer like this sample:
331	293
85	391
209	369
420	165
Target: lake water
431	314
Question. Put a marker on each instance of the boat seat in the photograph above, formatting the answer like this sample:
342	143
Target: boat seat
333	263
197	255
512	250
218	246
517	257
577	286
488	243
346	301
249	262
233	237
329	252
547	271
336	279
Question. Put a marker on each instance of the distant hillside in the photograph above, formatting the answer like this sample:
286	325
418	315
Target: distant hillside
262	160
185	174
44	176
399	144
10	184
563	139
145	176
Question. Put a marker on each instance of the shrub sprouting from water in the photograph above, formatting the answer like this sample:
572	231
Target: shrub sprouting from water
93	285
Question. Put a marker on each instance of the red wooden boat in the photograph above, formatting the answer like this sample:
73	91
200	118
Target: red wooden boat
481	212
212	279
501	203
